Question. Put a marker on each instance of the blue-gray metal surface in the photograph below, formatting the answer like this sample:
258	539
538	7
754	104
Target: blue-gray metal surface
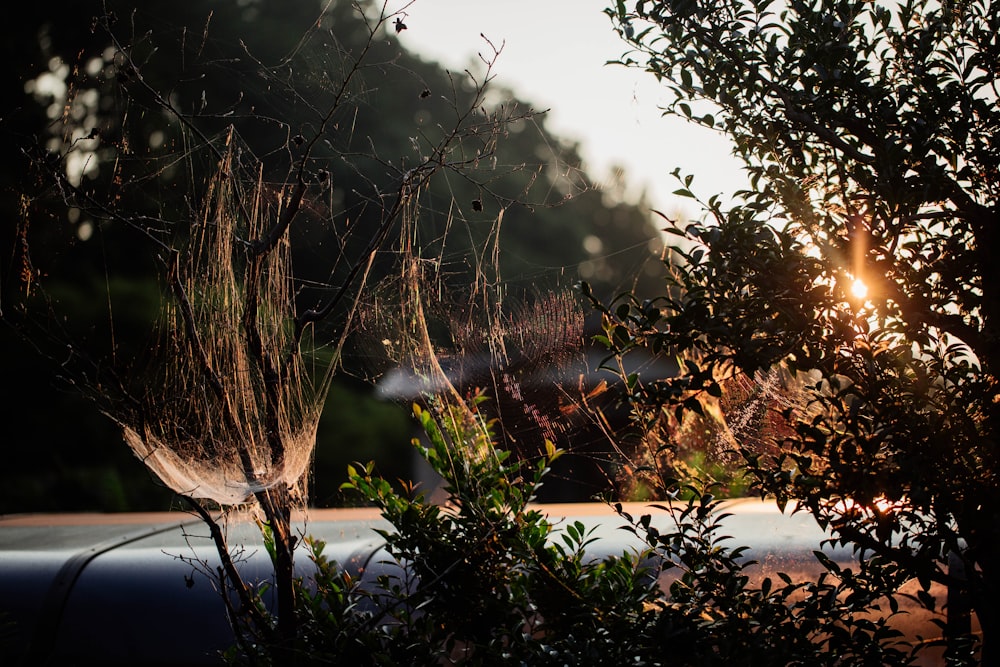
133	589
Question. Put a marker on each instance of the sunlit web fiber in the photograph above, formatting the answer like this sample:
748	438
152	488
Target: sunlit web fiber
232	408
439	344
753	414
742	413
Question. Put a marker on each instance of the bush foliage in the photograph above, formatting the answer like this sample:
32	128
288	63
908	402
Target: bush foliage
487	578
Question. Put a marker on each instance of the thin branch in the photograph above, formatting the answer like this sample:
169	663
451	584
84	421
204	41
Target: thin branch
249	604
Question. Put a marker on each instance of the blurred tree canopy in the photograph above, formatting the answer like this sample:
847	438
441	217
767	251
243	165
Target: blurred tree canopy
61	84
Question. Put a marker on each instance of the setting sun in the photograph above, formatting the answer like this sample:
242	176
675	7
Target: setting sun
859	290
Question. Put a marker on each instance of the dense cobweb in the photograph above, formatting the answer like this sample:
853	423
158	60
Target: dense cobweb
441	342
212	424
227	403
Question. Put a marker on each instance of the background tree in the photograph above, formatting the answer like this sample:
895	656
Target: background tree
63	83
860	263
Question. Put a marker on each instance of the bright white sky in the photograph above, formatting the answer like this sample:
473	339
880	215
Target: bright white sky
554	55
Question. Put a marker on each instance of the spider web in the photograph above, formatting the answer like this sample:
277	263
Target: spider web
213	424
230	404
431	339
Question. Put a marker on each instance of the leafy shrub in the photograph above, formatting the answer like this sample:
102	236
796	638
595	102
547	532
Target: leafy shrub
487	578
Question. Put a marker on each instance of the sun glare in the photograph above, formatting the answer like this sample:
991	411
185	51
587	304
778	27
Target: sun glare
859	290
879	505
